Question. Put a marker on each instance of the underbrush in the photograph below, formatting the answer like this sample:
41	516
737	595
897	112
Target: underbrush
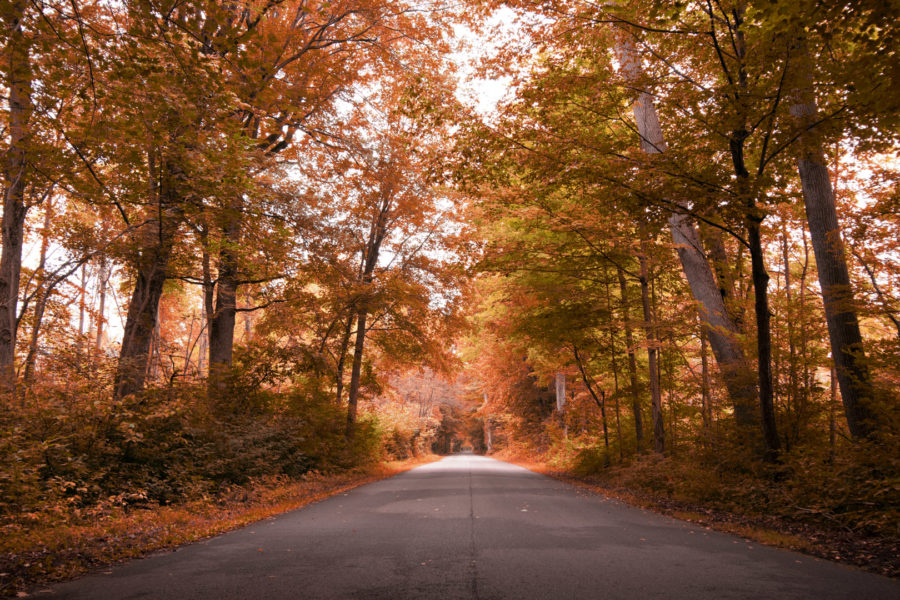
86	479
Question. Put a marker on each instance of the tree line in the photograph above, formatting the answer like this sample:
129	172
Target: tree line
657	164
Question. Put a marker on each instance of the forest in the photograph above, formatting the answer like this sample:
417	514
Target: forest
256	244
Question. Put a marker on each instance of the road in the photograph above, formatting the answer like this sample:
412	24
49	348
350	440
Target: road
473	527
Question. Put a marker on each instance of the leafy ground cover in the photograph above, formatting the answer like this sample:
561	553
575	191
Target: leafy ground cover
37	549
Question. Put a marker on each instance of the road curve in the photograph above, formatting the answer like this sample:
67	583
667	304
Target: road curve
476	528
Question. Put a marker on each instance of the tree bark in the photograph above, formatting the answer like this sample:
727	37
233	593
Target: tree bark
221	332
15	172
854	379
723	332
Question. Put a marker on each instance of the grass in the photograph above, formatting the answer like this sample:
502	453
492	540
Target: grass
38	549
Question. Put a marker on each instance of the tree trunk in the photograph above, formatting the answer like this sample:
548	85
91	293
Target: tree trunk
659	437
793	387
356	371
42	294
600	403
723	332
221	332
634	391
753	219
371	251
853	376
158	235
82	293
704	380
15	172
763	339
140	322
342	357
103	281
208	299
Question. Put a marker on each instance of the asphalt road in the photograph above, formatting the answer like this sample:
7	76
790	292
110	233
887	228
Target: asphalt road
473	527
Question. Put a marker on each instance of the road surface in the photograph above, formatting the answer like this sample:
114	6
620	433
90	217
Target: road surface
473	527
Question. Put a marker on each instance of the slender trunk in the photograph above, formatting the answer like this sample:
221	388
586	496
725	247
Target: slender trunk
102	283
659	440
847	351
615	365
704	380
634	391
600	403
342	356
888	310
793	387
189	346
15	173
371	251
763	338
82	292
41	296
155	362
804	337
248	318
753	223
723	332
832	422
208	299
356	371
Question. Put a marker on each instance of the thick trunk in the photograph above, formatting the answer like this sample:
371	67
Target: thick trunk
158	235
18	84
634	391
140	323
221	332
723	332
853	376
659	437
